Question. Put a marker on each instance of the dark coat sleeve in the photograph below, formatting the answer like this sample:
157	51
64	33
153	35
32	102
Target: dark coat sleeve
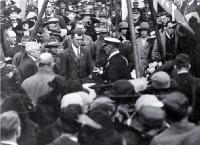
63	63
27	69
88	63
116	70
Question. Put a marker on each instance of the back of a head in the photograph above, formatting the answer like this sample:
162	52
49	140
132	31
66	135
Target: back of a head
176	106
16	102
31	46
45	59
10	125
182	61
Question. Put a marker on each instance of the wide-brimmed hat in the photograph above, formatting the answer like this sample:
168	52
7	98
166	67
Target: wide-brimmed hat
11	9
24	21
31	15
51	21
111	40
136	10
87	12
144	26
101	30
123	25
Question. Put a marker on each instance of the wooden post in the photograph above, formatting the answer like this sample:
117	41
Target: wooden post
133	39
153	14
39	19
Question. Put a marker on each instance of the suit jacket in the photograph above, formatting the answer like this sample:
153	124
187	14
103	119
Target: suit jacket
143	50
37	86
192	8
186	83
11	51
193	138
163	41
73	67
116	69
27	68
174	135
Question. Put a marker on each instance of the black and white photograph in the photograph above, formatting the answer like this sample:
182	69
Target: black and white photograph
100	72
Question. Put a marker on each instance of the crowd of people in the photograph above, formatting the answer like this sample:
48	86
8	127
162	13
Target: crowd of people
72	79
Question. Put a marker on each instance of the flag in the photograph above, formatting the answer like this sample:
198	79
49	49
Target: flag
172	9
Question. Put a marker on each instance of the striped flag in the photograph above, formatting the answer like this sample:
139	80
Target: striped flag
172	9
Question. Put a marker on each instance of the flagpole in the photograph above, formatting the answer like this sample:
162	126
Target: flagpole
133	39
153	14
39	18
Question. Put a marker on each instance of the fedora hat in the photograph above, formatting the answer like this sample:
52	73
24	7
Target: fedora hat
25	21
87	12
11	9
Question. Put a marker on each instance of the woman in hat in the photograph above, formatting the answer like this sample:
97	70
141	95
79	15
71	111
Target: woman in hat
143	46
52	28
124	33
24	26
12	12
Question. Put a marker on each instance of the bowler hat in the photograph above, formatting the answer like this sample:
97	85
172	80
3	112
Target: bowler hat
11	9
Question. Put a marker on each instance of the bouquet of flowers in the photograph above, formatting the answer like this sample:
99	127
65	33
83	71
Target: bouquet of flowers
152	67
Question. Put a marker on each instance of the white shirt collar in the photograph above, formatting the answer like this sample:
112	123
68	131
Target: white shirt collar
182	71
75	49
32	57
190	3
8	142
112	54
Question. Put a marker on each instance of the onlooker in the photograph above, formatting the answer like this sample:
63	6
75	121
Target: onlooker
28	66
37	85
169	41
10	128
77	62
176	107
